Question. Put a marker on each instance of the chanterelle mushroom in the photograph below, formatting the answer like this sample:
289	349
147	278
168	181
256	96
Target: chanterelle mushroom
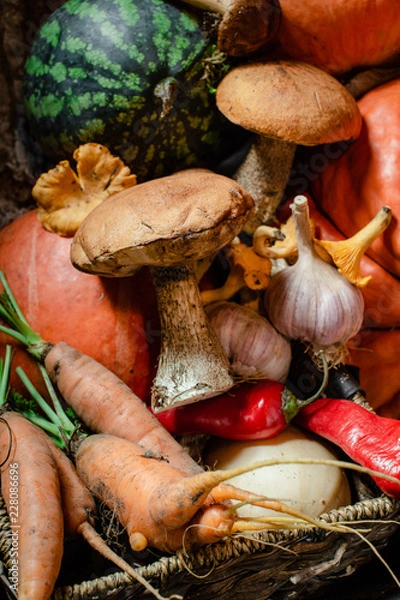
64	197
167	224
285	104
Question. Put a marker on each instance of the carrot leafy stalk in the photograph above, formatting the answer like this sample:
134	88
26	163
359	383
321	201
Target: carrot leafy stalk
19	328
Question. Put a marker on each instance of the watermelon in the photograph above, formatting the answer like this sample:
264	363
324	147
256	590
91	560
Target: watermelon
131	75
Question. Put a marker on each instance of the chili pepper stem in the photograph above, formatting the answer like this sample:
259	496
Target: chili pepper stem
292	405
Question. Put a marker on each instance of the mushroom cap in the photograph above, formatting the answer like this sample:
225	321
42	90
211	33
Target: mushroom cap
163	222
291	101
248	25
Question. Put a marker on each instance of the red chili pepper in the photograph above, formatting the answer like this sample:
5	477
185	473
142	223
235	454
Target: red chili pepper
368	439
250	411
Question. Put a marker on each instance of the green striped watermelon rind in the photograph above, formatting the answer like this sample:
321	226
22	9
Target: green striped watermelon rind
128	74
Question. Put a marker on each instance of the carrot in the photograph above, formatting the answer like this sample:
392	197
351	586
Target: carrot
99	398
152	499
107	405
31	491
99	480
78	504
79	509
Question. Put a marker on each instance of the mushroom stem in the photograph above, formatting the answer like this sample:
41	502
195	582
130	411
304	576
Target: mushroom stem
365	81
192	364
264	173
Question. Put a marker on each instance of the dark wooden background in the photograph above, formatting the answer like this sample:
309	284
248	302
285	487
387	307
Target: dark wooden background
19	22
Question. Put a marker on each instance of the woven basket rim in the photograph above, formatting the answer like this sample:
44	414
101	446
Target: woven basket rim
208	557
217	554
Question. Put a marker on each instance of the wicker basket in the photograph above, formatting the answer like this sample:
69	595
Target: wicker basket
278	564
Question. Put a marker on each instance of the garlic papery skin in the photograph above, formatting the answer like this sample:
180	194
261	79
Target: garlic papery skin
254	348
310	300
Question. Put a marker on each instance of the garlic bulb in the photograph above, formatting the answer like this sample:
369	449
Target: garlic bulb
253	346
311	301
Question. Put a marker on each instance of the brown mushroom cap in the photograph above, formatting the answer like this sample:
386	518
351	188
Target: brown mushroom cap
248	25
163	222
291	101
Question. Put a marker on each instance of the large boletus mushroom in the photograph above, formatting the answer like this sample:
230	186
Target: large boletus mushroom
167	224
284	104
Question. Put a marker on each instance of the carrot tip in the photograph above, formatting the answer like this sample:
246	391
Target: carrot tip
137	541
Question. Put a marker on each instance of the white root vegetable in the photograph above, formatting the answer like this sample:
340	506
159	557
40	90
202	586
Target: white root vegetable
309	488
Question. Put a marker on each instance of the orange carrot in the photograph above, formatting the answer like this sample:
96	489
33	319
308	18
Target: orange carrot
156	503
79	507
78	504
210	520
31	491
152	499
106	405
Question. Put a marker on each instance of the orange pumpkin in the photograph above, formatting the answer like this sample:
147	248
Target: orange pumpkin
366	176
377	354
113	320
340	35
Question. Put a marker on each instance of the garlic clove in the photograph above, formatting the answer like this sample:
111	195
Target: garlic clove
254	348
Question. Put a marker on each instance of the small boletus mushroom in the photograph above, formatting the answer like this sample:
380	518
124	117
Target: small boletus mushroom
167	224
285	104
246	26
